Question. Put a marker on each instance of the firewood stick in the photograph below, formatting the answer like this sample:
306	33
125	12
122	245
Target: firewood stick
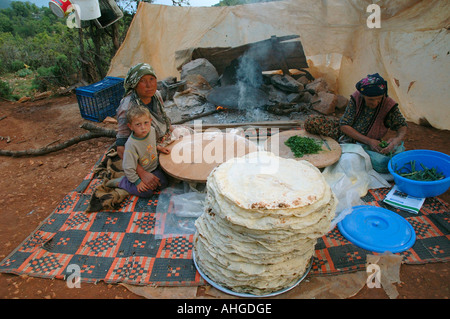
94	132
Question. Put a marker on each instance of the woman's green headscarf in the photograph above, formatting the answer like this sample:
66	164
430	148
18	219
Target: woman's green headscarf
134	74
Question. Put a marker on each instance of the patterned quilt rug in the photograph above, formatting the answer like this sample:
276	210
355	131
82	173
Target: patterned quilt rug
335	254
136	245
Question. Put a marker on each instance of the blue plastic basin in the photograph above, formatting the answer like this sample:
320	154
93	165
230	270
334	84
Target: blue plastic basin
429	159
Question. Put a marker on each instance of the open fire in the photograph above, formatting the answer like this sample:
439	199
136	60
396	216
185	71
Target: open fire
247	89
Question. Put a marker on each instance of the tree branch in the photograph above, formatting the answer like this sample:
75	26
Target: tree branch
94	132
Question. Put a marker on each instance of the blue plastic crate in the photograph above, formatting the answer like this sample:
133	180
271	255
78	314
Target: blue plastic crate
101	99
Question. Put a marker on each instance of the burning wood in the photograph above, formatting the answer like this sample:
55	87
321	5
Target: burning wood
246	90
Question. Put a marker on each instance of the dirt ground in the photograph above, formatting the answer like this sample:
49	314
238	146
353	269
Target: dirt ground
31	188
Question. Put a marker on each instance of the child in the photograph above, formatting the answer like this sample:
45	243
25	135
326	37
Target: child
141	149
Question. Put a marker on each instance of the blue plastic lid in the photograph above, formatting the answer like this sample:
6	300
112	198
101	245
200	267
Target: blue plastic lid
377	229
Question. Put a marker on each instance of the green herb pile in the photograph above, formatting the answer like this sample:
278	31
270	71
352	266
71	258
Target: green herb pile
424	174
303	145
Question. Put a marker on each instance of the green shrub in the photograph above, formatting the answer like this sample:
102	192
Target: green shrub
24	72
16	65
54	76
37	37
44	78
5	90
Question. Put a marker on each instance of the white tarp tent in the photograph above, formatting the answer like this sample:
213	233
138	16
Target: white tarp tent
410	49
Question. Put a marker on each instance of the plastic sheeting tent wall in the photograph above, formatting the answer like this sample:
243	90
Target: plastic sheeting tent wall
410	49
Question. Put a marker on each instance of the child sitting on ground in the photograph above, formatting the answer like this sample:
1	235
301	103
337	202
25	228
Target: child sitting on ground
141	149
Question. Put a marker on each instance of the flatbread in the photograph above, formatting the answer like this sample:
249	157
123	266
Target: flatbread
263	215
262	180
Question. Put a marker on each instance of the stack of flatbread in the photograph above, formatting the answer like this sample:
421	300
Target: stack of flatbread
263	215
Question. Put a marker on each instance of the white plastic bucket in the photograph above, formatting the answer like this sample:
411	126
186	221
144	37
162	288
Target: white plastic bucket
87	9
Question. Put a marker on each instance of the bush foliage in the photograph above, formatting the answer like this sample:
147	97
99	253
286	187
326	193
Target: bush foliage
33	40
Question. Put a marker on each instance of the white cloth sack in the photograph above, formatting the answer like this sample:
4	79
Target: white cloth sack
350	178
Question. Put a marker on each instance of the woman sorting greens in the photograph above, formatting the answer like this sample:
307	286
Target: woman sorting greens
369	115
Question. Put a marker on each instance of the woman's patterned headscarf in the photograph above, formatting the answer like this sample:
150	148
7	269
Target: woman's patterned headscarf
134	74
372	85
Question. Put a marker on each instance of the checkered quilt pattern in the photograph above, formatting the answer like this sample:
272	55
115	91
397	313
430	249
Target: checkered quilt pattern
129	245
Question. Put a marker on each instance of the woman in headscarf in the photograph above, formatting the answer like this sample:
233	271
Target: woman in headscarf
141	89
369	115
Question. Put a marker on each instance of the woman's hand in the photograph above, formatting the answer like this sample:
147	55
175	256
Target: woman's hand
162	149
142	187
392	144
395	141
150	180
375	145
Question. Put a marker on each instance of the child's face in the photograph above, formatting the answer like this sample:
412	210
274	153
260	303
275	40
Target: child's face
140	125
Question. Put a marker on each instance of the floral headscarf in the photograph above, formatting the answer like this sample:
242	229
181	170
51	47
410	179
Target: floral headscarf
372	85
134	74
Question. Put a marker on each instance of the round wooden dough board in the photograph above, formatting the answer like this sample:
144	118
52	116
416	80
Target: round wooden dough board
324	158
193	157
